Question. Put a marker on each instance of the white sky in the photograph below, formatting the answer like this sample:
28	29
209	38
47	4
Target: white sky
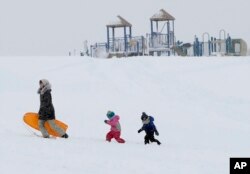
55	27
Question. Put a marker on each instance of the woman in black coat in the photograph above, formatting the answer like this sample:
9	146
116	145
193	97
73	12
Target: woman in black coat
47	111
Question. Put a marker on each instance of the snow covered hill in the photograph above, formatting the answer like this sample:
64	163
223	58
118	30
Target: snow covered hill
200	105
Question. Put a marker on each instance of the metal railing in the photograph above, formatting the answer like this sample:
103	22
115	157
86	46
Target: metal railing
159	40
121	45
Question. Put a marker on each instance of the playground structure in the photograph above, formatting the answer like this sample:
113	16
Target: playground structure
211	46
123	46
155	43
162	41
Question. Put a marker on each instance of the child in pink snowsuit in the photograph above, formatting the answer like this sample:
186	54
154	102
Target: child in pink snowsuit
115	131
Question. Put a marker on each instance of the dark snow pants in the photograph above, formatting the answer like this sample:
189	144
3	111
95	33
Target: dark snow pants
150	137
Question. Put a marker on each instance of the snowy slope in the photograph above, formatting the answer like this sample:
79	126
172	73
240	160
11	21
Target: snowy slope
200	105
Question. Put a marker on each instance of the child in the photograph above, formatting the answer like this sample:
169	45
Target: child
46	111
149	128
115	131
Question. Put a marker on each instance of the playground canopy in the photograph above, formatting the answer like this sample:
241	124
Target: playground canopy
121	22
162	15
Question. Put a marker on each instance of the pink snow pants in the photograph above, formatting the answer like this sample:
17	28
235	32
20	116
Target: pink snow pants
116	135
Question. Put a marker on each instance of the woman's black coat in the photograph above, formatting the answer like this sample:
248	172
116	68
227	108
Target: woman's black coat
46	111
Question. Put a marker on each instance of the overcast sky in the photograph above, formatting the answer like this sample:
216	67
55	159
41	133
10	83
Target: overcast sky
55	27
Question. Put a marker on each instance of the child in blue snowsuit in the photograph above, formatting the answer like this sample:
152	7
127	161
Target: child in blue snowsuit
149	128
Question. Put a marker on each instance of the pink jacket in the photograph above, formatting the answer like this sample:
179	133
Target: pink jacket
114	123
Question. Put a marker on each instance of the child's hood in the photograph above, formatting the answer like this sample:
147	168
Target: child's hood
151	118
116	118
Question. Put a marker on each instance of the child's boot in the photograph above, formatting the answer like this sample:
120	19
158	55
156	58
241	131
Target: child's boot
120	140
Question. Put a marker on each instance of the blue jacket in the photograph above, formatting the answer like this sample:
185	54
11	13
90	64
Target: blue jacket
149	127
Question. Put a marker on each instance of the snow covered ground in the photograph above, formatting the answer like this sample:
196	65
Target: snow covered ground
200	105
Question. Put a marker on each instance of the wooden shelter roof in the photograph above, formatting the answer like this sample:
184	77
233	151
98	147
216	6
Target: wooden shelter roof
162	15
120	22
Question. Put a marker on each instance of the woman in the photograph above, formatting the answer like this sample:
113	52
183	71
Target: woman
46	111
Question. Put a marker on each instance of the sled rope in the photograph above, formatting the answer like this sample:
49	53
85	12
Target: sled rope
30	131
